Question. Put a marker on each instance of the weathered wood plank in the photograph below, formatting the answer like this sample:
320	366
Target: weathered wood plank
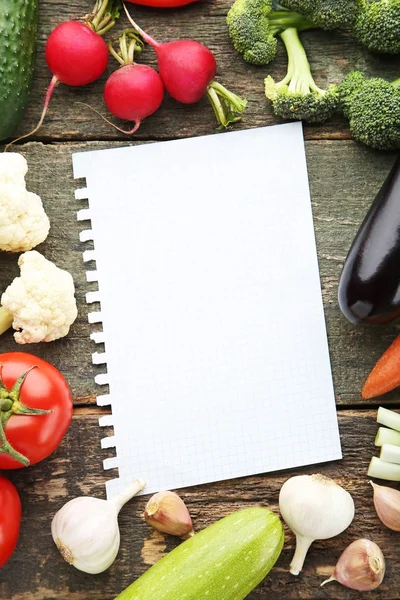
331	55
343	177
75	469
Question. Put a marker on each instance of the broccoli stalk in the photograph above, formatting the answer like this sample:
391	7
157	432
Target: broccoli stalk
377	25
253	26
326	14
297	96
373	109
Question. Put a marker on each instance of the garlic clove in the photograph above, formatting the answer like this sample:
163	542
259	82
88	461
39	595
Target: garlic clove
360	567
167	512
387	505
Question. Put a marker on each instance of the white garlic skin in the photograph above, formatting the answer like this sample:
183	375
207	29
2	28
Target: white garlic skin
86	533
315	507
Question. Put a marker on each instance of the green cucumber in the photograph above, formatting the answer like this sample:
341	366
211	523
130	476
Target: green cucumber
18	29
225	561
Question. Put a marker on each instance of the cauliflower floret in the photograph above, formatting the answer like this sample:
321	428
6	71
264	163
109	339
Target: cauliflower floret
13	168
23	221
41	301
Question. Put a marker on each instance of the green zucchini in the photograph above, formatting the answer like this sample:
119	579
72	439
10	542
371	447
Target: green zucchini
18	30
225	561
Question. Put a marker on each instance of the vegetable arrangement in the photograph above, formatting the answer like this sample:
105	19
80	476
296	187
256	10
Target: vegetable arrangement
229	558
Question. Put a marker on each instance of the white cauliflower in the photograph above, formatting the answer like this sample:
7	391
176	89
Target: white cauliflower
13	168
23	221
41	302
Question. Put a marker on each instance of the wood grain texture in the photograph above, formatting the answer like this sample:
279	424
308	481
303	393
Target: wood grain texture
75	469
341	193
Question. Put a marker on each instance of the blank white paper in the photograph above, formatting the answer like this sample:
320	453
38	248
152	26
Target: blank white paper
216	349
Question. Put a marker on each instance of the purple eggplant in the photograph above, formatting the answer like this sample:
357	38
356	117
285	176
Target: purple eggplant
369	286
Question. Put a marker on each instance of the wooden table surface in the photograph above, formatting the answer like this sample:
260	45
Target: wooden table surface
344	178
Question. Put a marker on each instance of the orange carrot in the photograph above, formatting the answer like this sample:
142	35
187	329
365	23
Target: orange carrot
385	376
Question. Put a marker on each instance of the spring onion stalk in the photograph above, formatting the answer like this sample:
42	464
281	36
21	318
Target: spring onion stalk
383	470
390	453
389	418
387	436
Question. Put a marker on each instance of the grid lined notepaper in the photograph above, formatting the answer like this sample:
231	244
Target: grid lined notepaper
216	351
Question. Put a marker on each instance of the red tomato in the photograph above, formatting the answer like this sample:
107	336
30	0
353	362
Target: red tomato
33	436
10	519
162	3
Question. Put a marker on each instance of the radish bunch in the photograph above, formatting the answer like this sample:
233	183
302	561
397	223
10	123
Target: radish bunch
187	69
77	55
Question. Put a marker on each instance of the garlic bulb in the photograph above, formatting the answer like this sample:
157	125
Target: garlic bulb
387	505
86	530
168	513
315	508
360	567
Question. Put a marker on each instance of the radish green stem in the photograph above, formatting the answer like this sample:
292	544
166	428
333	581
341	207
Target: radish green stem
126	54
99	14
6	319
53	83
387	436
390	453
124	47
383	470
227	106
389	418
115	54
105	29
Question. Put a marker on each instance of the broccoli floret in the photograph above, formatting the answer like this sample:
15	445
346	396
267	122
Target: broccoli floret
253	25
350	84
377	25
373	109
326	14
297	96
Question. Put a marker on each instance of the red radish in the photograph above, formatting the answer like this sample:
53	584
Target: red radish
187	69
134	91
76	53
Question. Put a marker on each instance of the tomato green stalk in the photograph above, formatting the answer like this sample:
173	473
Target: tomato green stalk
10	405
